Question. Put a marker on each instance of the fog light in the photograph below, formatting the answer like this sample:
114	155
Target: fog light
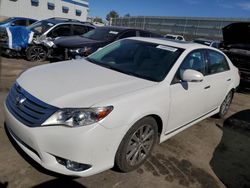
72	165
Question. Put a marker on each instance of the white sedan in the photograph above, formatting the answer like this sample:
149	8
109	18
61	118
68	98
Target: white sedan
84	116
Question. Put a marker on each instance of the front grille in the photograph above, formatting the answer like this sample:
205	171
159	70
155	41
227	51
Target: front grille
3	35
28	109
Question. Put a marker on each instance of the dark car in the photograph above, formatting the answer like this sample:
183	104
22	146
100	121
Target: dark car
208	42
79	46
46	31
11	22
236	44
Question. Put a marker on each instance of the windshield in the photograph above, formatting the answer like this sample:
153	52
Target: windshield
140	59
5	20
40	27
101	34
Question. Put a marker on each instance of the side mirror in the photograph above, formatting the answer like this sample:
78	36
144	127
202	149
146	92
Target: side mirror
12	24
190	75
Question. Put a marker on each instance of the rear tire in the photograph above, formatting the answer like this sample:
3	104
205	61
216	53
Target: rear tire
36	54
137	145
225	105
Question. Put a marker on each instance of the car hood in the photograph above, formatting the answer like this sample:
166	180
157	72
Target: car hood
237	33
78	83
75	42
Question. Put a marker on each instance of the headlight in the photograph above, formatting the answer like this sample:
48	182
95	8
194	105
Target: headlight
81	51
75	117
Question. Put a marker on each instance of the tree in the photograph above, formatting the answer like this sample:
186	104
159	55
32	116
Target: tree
98	19
127	15
112	14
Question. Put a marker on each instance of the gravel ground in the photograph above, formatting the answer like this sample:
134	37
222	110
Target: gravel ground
211	154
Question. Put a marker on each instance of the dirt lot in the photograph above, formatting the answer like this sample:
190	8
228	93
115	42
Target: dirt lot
212	154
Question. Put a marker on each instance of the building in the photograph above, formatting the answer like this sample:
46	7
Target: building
190	27
41	9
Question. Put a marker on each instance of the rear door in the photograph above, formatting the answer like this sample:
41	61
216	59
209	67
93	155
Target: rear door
218	77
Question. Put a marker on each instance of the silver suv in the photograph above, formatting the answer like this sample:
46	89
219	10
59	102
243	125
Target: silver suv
45	31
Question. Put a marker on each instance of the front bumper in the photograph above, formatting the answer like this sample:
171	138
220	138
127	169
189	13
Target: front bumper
93	145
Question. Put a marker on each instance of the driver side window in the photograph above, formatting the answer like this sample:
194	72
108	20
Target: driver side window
195	61
59	31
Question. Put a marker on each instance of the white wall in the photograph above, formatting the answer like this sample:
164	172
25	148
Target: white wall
23	8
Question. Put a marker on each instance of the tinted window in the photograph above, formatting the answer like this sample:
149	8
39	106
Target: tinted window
31	21
136	58
128	34
62	30
102	34
179	38
215	44
194	61
145	34
216	62
40	27
79	29
169	37
20	22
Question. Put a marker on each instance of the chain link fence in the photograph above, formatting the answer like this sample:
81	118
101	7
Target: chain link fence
189	27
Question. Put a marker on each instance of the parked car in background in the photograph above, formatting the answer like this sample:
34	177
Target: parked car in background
46	31
236	44
80	46
208	42
8	24
174	37
111	108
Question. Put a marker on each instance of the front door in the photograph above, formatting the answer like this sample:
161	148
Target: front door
188	99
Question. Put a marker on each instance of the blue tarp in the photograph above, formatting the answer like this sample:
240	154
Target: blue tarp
19	37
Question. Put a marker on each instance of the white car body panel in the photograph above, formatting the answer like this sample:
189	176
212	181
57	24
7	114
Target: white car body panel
80	84
76	85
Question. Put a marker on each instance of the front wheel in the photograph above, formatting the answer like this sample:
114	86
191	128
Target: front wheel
225	105
36	53
137	145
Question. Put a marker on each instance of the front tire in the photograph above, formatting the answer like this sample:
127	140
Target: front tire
225	105
36	54
137	145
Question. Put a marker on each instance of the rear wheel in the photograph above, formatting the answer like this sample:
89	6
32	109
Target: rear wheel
137	145
225	104
36	53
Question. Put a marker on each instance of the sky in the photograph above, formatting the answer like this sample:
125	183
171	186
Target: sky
191	8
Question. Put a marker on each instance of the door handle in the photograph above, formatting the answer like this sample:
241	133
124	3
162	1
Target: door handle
207	87
229	79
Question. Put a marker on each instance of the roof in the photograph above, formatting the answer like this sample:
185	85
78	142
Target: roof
173	43
57	20
22	18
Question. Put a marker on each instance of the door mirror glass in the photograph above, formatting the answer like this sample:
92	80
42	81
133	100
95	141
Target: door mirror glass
190	75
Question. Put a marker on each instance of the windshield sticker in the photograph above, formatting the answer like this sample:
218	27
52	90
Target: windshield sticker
50	24
168	48
113	32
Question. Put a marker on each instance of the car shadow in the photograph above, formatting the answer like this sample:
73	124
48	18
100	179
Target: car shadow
60	182
231	159
4	185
